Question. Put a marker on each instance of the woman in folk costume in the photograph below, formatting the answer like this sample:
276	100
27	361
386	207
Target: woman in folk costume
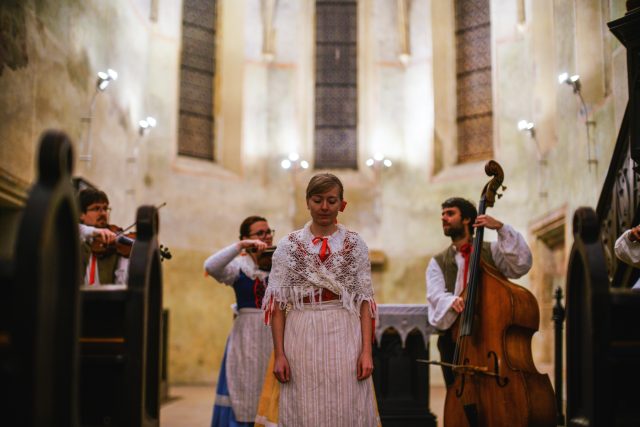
321	275
249	344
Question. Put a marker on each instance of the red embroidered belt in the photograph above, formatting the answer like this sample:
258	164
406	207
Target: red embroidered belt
327	295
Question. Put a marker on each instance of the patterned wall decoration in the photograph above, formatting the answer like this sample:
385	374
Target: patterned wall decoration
473	76
336	97
197	72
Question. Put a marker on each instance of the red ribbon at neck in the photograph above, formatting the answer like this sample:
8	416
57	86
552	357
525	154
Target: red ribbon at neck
325	250
465	250
92	270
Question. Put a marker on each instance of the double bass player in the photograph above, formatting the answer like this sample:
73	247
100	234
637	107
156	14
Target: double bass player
447	272
487	321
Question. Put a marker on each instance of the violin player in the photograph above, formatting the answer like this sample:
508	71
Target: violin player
447	272
100	267
244	266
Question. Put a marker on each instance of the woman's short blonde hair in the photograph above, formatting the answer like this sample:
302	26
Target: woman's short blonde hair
322	183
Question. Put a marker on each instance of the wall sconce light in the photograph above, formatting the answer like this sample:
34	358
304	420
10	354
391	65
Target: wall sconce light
574	82
378	161
146	124
133	171
525	126
529	128
293	162
104	78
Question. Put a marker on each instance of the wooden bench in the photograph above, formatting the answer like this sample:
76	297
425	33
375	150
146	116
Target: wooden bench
603	336
39	304
603	313
120	342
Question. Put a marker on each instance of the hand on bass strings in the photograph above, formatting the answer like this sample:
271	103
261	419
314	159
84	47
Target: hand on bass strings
487	222
259	245
458	305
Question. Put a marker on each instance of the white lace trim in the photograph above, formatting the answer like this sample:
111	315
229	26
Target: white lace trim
250	269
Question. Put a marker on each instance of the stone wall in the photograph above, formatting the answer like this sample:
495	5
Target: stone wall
264	110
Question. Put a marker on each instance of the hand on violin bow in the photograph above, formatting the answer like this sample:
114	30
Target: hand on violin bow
487	222
259	245
105	235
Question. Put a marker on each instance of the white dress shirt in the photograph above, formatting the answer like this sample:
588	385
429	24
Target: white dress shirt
511	255
628	252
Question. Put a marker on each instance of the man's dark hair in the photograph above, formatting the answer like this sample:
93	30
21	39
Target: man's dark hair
89	196
245	227
467	210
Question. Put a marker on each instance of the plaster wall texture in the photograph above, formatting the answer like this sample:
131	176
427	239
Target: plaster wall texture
264	110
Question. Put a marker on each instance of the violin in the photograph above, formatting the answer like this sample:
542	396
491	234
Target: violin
122	245
265	258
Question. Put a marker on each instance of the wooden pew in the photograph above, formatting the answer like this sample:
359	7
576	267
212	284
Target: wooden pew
120	343
39	303
603	314
603	336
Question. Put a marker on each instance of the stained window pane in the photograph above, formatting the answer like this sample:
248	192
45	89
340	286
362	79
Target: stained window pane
197	73
473	75
336	98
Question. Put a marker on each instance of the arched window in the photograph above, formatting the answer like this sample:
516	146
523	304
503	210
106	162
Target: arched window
197	74
473	78
336	88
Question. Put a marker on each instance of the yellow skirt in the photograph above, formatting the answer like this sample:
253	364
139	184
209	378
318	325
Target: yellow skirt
267	415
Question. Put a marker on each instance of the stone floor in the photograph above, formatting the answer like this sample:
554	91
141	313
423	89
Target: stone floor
191	406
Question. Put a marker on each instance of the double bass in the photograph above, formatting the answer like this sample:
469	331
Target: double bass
496	382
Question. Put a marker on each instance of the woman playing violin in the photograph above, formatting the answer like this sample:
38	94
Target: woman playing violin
241	266
99	266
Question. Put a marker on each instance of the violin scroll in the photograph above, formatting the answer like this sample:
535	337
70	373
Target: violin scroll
490	191
164	253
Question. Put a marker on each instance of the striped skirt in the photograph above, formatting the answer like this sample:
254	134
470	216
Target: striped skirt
322	344
248	350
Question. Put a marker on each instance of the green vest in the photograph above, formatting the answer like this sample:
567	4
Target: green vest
106	265
447	262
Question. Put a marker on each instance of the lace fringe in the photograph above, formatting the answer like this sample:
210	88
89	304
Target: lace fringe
295	296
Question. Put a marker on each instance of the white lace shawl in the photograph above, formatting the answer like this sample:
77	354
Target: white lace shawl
298	272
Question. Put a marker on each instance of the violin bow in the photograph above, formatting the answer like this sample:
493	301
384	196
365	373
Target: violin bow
124	230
